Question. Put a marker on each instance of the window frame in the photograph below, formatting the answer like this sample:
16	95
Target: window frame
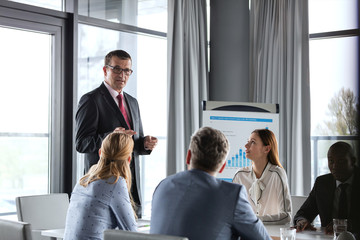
315	139
56	24
63	26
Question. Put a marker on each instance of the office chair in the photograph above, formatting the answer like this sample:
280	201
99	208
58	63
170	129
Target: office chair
115	234
43	212
13	230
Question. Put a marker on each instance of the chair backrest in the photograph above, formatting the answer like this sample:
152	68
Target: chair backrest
112	234
297	202
43	211
12	230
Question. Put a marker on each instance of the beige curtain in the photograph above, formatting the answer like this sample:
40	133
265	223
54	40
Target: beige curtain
279	73
187	76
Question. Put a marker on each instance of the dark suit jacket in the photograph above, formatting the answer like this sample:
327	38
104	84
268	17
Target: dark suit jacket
96	117
321	198
196	205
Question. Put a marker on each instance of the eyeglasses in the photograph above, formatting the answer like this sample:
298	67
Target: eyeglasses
118	70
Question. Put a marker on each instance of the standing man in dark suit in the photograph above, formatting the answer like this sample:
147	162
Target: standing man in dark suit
109	109
325	197
197	205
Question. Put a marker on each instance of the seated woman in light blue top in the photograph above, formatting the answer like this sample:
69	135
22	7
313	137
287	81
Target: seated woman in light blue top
102	200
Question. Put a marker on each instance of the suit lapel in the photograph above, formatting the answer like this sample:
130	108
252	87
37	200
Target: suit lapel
329	194
112	105
131	108
355	194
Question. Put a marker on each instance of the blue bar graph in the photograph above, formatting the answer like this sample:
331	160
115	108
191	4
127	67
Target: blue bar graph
238	160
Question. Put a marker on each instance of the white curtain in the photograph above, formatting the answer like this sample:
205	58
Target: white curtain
279	73
187	76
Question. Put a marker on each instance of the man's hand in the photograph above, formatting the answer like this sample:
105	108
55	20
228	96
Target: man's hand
122	130
150	142
304	224
329	229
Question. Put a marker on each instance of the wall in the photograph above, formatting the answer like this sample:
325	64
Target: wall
229	50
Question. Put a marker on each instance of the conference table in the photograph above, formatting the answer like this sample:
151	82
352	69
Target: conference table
143	226
273	230
54	233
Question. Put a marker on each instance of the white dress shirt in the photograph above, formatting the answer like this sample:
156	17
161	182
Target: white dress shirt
114	95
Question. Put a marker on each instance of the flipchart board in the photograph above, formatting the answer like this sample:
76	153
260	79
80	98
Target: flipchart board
237	120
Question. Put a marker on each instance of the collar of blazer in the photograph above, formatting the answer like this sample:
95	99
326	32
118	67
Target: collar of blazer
108	99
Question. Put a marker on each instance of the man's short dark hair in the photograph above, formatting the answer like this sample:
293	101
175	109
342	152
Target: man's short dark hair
342	148
209	147
117	53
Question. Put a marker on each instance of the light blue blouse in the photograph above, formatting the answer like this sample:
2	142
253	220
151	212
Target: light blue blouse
99	206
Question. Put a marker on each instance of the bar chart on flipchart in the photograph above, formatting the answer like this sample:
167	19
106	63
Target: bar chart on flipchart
238	160
237	127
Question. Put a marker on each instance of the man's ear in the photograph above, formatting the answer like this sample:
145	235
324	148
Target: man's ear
188	157
104	69
222	168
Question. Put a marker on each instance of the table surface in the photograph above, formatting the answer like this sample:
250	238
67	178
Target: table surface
274	232
143	226
55	233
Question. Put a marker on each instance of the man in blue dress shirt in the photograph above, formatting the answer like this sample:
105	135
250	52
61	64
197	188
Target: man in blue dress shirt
197	205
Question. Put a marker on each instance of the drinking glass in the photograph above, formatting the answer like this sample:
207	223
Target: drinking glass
340	225
287	234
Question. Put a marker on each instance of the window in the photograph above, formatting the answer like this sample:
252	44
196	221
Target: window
333	63
147	84
37	62
53	4
25	107
141	13
33	135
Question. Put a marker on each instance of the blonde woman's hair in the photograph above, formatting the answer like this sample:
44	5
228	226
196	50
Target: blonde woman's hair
116	149
268	138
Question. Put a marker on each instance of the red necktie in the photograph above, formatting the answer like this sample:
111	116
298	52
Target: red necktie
122	109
